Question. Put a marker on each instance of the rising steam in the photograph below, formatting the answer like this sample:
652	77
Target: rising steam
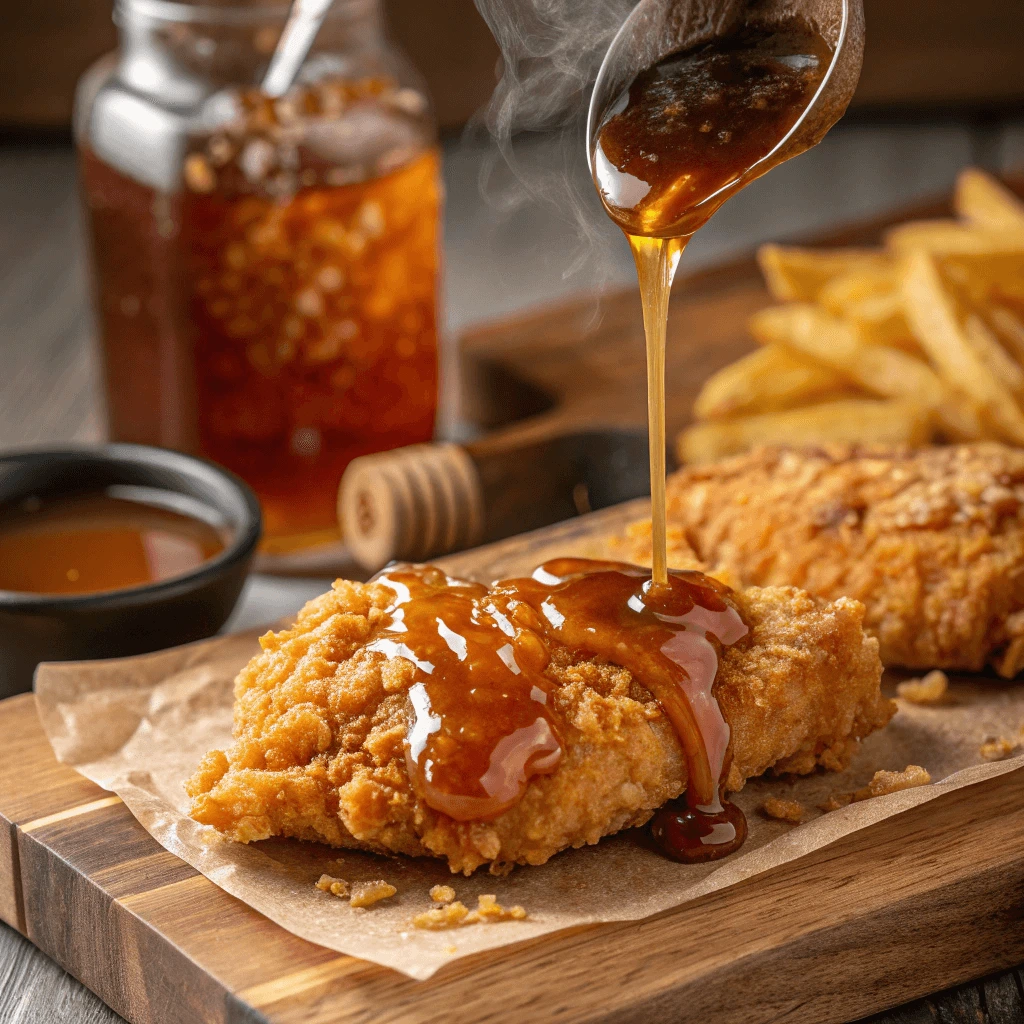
551	52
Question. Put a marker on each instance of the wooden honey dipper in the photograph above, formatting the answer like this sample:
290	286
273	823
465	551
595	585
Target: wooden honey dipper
426	500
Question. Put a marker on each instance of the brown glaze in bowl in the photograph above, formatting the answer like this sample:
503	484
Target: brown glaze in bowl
135	620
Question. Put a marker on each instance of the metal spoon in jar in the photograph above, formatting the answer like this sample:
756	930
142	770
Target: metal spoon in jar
304	20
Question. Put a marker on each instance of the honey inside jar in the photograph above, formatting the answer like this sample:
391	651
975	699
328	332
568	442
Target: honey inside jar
276	312
95	542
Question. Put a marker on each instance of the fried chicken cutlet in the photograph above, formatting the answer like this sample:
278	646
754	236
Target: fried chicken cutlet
321	724
930	541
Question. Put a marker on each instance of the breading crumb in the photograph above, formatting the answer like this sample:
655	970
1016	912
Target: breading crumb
335	886
442	894
365	894
490	910
929	690
995	748
455	915
885	782
437	918
784	810
835	801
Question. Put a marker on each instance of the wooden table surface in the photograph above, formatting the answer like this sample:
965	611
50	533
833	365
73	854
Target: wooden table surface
496	262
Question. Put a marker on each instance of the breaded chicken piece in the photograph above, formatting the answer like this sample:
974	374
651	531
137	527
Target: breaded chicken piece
931	541
320	723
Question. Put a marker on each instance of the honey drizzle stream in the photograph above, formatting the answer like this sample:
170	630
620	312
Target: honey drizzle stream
689	132
656	261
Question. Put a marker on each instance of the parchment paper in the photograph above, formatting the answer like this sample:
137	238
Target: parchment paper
138	727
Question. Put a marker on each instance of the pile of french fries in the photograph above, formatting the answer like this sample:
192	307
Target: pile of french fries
919	341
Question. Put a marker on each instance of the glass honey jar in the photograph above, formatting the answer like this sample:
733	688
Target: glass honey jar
265	269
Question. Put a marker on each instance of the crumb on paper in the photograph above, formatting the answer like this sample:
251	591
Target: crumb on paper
836	801
885	782
784	810
442	894
450	915
995	748
365	894
929	690
335	886
490	910
457	914
451	949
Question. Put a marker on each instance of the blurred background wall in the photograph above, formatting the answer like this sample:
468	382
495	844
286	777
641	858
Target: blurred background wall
942	88
921	56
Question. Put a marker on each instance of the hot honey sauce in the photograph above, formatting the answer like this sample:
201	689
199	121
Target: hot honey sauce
688	132
483	719
482	722
695	127
95	542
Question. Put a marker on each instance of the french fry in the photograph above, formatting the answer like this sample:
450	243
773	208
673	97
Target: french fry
886	372
880	320
987	348
793	273
920	340
933	316
961	419
846	421
879	370
840	293
768	379
871	300
988	277
982	200
1010	329
950	237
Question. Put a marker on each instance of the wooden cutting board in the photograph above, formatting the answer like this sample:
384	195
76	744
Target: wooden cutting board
916	903
919	902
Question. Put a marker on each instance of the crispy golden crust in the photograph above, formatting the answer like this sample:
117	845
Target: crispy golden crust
319	730
932	541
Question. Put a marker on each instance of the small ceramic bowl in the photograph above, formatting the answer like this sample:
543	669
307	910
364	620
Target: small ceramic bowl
116	623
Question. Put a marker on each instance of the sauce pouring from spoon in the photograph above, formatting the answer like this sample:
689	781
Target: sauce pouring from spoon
693	102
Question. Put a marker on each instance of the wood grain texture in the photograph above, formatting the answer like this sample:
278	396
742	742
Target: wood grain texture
34	989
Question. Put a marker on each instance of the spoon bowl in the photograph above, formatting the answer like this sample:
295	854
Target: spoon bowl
655	29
